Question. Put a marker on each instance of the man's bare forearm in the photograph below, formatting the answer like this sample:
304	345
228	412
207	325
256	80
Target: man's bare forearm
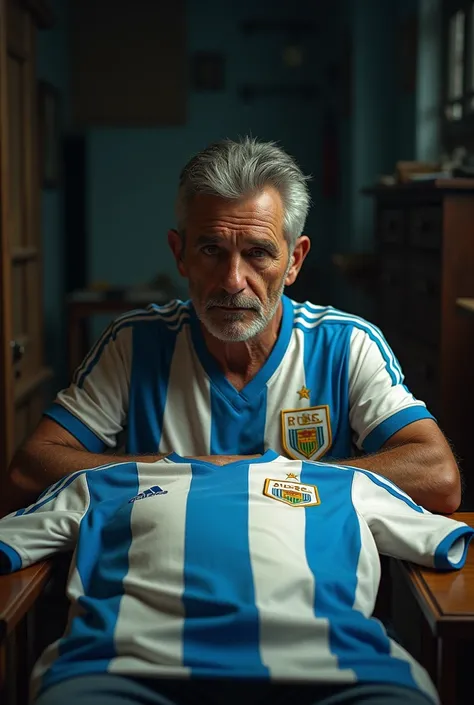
427	475
37	466
35	469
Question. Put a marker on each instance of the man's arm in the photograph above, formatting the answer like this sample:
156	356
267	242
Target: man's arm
395	430
51	453
419	460
84	421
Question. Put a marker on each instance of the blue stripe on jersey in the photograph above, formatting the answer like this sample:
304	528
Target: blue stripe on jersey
243	431
357	642
76	427
255	386
326	369
441	557
13	557
221	626
381	433
153	350
106	526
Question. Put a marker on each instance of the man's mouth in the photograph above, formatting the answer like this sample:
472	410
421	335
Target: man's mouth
234	308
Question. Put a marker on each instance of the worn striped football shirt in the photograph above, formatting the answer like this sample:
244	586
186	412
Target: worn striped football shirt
265	570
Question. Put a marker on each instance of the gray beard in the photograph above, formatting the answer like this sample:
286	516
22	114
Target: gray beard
234	330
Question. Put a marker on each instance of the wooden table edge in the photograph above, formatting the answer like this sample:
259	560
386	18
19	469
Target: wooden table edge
441	625
22	598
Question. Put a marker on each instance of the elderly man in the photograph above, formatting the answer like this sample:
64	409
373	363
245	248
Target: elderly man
240	368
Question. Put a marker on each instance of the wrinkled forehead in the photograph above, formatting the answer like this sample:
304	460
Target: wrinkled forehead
251	215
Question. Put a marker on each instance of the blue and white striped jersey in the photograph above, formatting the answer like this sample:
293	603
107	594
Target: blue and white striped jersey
266	569
330	382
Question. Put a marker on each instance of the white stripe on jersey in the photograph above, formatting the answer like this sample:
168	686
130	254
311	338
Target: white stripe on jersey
336	315
106	388
289	374
368	571
188	428
306	647
141	628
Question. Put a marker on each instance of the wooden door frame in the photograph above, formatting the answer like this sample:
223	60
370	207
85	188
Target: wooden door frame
6	376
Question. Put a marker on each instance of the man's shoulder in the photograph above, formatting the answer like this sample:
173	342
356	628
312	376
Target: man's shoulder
310	317
169	317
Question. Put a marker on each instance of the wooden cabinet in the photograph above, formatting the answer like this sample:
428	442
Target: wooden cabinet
425	244
22	369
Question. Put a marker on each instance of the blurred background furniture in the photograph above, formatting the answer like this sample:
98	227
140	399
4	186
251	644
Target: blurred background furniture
24	374
424	239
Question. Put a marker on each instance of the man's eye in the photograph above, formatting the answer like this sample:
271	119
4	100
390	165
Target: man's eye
210	250
258	253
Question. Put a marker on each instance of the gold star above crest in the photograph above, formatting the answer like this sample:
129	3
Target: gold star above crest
292	476
304	392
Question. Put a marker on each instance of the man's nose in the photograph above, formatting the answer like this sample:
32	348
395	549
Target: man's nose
233	277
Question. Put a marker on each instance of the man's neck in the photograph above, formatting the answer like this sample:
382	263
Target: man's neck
241	361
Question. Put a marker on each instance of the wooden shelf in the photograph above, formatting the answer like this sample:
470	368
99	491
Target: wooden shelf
423	185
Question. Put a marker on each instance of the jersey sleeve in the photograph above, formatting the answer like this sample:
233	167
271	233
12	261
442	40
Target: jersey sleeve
94	407
48	526
380	403
403	529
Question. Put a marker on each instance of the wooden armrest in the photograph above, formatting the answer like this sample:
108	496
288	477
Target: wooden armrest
18	592
445	598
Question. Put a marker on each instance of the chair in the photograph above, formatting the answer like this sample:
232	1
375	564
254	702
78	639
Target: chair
33	614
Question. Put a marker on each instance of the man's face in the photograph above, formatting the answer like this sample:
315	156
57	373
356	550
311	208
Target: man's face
236	260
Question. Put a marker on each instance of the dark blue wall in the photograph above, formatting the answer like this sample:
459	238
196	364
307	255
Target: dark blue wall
132	173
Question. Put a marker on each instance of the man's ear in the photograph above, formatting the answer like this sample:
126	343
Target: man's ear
176	243
302	247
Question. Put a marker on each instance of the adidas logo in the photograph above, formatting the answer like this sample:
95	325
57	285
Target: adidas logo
151	492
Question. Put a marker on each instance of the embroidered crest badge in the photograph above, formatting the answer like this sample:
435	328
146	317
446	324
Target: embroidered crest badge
295	494
306	433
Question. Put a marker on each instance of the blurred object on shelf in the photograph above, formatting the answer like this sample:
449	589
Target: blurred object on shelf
457	165
410	171
158	291
356	264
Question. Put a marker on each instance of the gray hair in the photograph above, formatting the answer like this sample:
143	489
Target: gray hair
235	170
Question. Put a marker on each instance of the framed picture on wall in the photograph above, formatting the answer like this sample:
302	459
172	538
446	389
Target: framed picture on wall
49	135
